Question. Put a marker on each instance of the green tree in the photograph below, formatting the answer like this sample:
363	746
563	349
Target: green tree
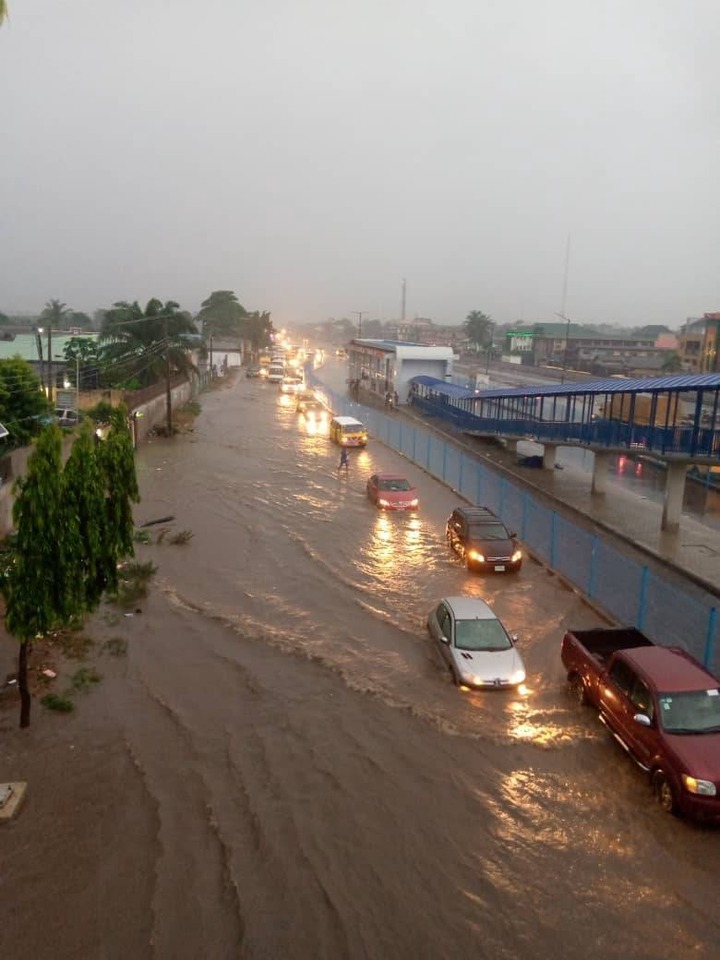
82	355
76	318
672	363
258	329
37	588
221	315
4	318
22	403
54	314
478	329
117	466
137	344
84	503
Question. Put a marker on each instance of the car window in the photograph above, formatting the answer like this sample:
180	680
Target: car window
481	635
395	484
488	531
696	711
641	698
444	620
622	676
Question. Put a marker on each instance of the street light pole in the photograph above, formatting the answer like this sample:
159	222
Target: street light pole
567	340
491	327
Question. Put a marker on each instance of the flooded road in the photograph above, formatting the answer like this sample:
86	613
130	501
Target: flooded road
282	768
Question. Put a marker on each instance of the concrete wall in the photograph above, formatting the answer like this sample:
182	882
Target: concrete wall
153	414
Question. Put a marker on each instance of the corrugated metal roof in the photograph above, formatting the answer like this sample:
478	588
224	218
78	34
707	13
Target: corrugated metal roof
675	383
444	387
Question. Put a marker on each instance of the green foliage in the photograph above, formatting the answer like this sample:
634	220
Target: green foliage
133	582
181	537
4	318
478	328
141	536
84	492
672	363
84	678
136	343
221	315
22	403
40	592
58	702
54	314
101	412
116	458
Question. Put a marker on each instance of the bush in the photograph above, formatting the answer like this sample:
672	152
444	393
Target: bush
56	701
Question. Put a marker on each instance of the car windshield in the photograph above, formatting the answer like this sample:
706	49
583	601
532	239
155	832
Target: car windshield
696	711
488	531
395	484
481	635
352	428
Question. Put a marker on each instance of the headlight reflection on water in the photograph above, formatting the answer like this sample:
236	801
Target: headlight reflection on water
395	546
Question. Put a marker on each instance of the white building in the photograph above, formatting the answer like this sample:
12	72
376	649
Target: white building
388	366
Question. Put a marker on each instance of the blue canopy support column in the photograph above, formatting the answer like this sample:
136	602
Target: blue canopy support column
674	494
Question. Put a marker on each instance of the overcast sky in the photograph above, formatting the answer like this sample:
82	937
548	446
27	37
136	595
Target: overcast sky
309	154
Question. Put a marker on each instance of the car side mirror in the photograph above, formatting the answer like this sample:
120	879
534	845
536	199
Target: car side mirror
643	719
514	637
444	638
513	535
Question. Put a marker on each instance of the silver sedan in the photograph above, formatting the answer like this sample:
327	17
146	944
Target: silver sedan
478	649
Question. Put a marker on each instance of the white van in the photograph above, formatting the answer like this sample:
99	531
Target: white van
276	372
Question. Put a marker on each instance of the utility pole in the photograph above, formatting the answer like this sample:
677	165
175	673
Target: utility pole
50	364
359	315
562	308
168	398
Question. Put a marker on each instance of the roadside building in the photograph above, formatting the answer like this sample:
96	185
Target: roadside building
383	367
698	343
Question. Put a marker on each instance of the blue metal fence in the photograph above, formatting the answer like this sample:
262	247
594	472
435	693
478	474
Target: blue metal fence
629	591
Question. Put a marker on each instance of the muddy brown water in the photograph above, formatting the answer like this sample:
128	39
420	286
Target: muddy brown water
281	768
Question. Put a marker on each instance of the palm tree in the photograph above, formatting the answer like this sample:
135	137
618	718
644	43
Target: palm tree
478	328
139	344
54	311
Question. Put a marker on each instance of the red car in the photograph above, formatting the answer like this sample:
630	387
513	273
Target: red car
390	491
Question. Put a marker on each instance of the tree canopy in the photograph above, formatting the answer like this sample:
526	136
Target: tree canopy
136	343
222	315
54	314
22	403
478	329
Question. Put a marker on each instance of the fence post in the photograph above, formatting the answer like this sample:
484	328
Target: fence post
593	564
710	639
642	605
444	470
553	525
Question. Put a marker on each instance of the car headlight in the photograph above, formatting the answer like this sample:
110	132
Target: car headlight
516	556
414	503
474	555
383	503
517	677
704	788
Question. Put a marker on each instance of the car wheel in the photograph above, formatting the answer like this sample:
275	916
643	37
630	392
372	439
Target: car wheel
664	793
455	678
577	689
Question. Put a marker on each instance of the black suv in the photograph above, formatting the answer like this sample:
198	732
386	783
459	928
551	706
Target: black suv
482	540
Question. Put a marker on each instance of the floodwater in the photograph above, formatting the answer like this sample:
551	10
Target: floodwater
281	767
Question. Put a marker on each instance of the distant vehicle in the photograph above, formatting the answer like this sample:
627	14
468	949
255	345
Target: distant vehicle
253	370
662	707
476	646
313	412
292	384
276	372
390	491
306	397
348	432
482	540
341	353
67	418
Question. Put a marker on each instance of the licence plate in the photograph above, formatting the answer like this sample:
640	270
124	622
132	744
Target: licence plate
500	568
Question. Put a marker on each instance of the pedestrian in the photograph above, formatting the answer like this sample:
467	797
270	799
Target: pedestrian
344	461
388	400
396	398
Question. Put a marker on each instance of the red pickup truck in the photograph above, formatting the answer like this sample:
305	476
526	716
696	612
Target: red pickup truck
661	705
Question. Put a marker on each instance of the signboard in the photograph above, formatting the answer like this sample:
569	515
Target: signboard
67	399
